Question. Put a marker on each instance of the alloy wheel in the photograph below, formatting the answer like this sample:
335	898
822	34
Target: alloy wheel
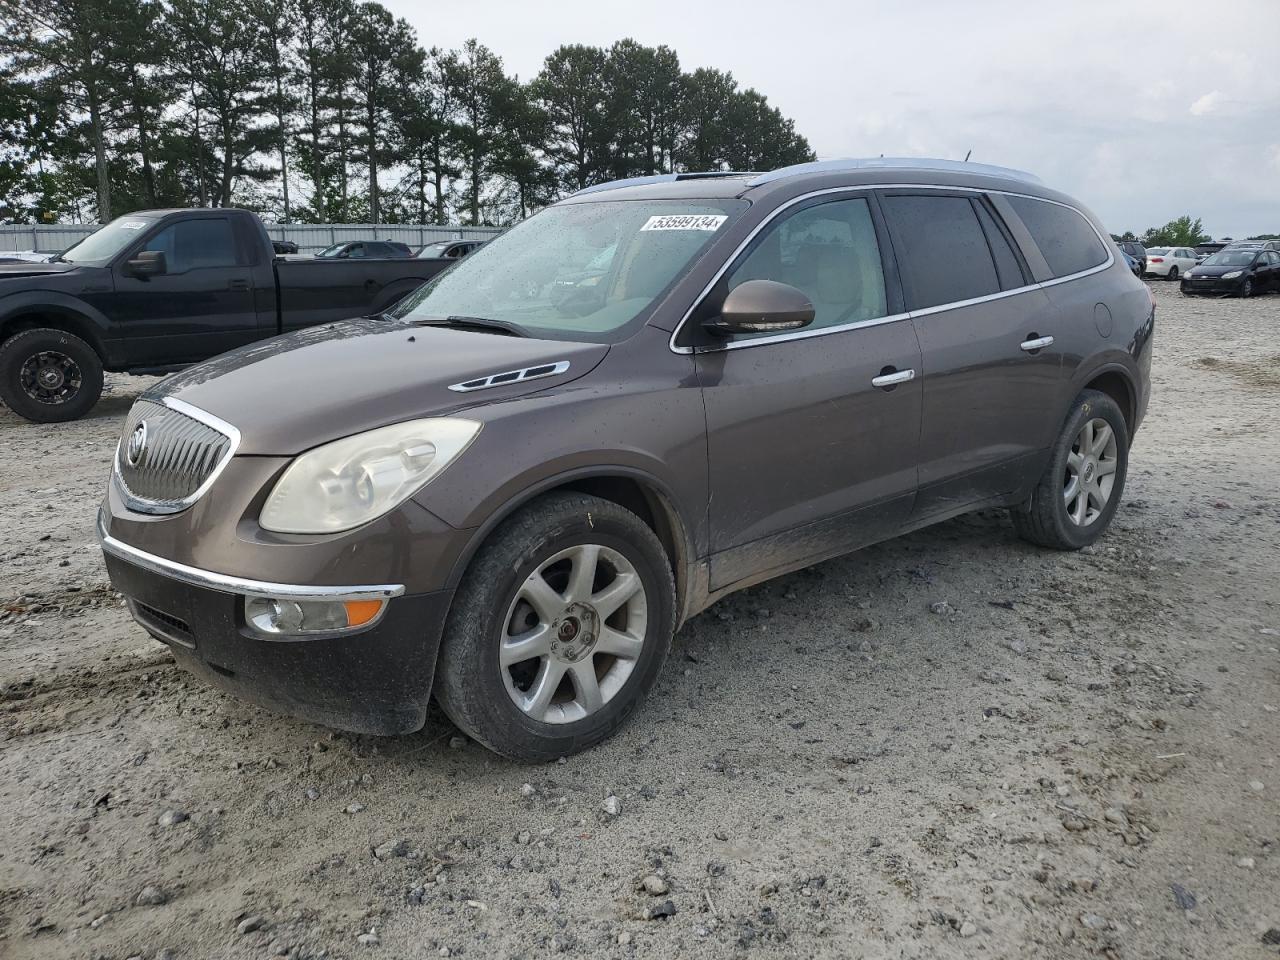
573	633
50	377
1091	472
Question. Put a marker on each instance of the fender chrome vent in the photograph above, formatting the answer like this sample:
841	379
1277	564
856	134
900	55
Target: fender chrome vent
511	376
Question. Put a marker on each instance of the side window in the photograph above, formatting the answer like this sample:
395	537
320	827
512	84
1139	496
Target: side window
828	251
1008	267
1066	239
356	250
196	244
942	250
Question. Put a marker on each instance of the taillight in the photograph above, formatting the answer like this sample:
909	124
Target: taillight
1157	259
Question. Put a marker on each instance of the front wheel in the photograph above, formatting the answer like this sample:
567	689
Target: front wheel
558	630
1081	486
1246	288
49	376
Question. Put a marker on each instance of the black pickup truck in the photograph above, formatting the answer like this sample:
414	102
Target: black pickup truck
155	291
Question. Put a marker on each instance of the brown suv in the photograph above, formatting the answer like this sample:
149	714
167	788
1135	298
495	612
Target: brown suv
513	491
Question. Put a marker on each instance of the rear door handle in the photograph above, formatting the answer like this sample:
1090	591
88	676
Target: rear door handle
1036	343
891	378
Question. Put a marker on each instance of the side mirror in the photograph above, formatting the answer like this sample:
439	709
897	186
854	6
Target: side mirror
148	263
761	306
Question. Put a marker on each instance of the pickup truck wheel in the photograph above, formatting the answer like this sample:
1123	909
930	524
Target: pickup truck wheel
1081	487
559	629
49	376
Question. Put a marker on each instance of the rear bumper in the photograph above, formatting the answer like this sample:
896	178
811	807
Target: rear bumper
374	681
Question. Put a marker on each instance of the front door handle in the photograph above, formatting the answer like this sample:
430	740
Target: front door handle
890	378
238	285
1036	343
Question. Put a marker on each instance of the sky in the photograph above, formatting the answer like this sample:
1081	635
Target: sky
1143	111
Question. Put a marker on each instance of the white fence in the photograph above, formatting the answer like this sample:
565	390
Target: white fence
310	237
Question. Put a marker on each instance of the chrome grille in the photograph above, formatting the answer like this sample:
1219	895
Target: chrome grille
175	456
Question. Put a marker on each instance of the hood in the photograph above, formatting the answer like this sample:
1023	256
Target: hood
291	393
11	271
1215	270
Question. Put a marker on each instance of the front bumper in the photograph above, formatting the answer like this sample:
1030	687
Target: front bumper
377	680
1210	285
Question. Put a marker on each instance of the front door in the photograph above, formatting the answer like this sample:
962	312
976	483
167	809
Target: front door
202	305
812	436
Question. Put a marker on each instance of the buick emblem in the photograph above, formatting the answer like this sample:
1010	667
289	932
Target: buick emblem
137	444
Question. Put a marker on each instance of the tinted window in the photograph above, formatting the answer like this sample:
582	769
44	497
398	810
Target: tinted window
356	250
942	250
1008	268
194	244
829	251
1066	239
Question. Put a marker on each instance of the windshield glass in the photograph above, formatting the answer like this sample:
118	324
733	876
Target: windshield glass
436	249
1230	258
580	271
103	244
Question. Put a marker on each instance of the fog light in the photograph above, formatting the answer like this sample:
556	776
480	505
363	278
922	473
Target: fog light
284	617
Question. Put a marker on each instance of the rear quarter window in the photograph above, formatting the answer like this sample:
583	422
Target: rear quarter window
1067	241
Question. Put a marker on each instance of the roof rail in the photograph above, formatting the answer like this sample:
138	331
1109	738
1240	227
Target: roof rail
900	163
661	178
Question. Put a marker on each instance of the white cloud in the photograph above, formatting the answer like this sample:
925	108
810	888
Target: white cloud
1206	104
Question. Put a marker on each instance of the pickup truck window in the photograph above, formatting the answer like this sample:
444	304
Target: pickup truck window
192	244
103	244
581	271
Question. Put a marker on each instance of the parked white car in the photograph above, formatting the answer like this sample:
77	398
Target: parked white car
1170	262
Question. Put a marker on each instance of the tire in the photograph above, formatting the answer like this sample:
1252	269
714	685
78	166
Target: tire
1246	288
49	376
1053	517
1172	274
479	692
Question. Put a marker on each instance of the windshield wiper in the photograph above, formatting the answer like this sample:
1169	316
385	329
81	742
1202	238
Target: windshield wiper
478	323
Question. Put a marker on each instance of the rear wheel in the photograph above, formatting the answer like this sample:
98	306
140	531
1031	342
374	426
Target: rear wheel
49	376
1172	274
1081	486
558	630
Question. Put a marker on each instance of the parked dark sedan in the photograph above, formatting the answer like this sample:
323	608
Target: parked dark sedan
1137	251
1240	273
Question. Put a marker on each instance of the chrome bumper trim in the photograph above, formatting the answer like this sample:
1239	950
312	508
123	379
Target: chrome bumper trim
223	583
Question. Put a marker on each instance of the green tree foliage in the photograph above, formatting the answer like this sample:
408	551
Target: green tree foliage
331	111
1182	232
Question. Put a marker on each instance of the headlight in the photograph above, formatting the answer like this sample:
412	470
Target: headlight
349	482
1232	275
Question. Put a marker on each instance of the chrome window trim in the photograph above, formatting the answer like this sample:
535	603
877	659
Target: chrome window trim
853	190
223	583
152	507
516	376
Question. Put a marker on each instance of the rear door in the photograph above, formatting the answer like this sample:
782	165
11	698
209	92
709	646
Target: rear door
812	435
202	305
992	369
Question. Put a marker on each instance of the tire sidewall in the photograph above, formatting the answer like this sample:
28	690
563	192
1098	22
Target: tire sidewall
474	629
1090	405
15	351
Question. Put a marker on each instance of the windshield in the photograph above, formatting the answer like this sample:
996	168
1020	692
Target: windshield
332	251
1230	258
580	271
104	243
436	249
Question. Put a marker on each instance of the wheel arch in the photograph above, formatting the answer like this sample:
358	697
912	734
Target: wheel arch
1117	383
54	313
632	489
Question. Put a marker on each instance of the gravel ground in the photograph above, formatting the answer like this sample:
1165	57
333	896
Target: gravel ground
1077	756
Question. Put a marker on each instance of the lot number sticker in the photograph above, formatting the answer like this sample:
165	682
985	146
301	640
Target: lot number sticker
709	222
133	225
